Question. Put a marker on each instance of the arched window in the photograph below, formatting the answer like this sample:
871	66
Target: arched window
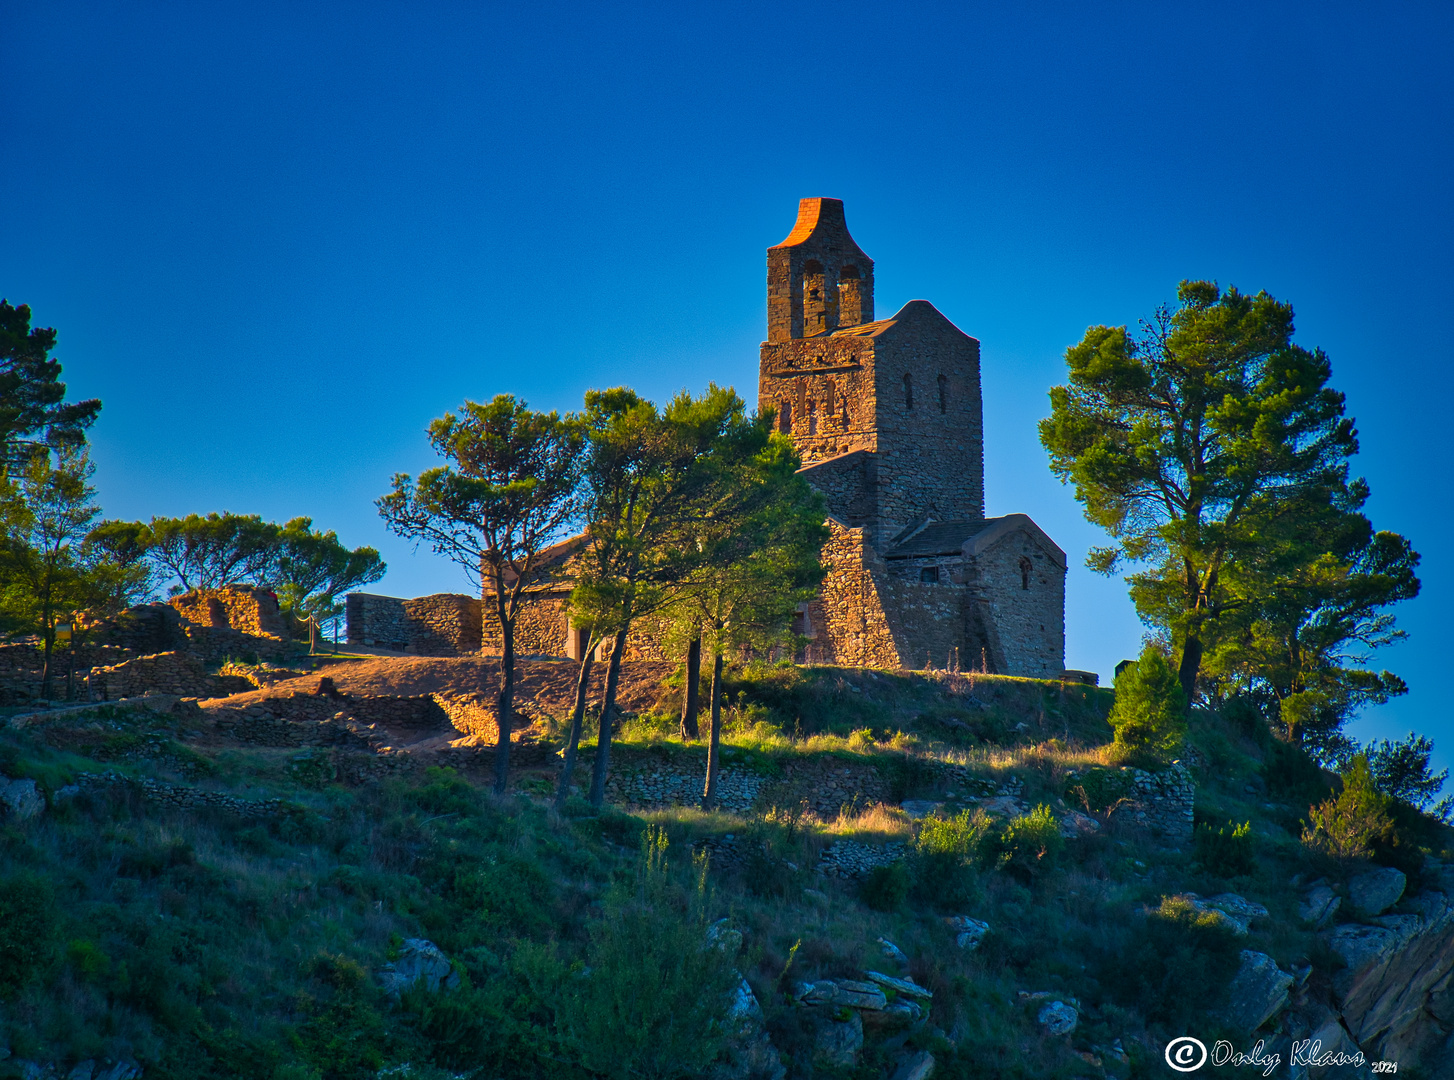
1026	566
785	416
908	391
812	418
943	394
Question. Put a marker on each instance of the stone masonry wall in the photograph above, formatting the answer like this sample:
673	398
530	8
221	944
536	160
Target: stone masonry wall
848	615
1162	805
245	608
442	624
1029	623
167	673
931	452
540	627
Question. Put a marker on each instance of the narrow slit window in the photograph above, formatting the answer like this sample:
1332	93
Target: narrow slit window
1026	567
943	394
908	391
785	417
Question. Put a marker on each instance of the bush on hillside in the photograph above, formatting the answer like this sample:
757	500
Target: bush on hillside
885	888
1149	714
1354	824
1291	772
1032	842
1226	851
946	855
27	929
653	1002
1178	965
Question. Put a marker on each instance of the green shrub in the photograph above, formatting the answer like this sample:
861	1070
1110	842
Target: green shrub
1149	714
27	928
947	853
344	1035
885	888
1354	824
445	791
1177	965
654	1000
1032	842
1223	852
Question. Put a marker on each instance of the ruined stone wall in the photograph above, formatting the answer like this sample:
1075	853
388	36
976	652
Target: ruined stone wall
166	673
1029	623
144	629
442	624
21	664
1162	805
245	608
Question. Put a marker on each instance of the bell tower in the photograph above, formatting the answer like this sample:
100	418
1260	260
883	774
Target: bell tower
818	279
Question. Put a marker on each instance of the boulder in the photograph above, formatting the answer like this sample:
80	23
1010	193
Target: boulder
744	1007
848	993
419	960
915	1067
21	799
1359	945
1057	1018
721	934
902	987
892	951
1318	906
968	933
1238	907
1075	824
1258	992
838	1042
1376	891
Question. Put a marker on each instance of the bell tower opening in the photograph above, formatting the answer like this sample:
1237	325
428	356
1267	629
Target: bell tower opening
818	278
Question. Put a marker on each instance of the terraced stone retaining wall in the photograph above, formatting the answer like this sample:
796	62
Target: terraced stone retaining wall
168	673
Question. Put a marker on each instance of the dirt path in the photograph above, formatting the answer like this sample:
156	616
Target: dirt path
549	683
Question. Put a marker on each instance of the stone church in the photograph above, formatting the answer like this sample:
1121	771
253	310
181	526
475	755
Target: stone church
888	418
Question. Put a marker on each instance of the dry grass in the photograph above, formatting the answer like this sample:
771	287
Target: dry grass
876	824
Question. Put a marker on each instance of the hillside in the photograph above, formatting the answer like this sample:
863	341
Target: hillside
920	874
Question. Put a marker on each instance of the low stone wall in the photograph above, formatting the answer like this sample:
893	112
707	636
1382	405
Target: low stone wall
167	673
644	780
1163	804
180	797
20	669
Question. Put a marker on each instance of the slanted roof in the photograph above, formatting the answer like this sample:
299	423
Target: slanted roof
971	538
912	311
937	538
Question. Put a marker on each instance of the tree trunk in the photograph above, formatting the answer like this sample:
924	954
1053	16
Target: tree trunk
690	703
1191	662
505	712
608	707
577	716
714	745
48	639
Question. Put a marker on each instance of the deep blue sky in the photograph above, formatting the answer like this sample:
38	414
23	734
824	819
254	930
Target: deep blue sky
277	239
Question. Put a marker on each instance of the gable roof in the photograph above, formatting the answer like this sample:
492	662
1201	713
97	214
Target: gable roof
971	538
912	312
